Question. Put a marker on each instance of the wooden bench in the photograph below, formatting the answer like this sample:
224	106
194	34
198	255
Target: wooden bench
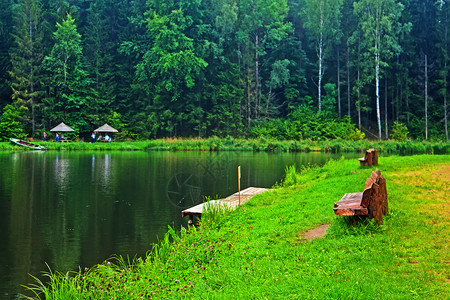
370	158
372	202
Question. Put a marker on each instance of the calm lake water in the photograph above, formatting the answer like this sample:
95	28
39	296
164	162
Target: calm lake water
77	209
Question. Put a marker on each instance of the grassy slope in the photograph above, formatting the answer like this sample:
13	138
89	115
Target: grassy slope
258	252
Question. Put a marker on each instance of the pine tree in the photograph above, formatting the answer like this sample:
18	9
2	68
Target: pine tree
6	42
26	58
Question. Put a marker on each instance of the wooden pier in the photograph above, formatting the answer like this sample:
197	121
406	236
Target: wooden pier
230	201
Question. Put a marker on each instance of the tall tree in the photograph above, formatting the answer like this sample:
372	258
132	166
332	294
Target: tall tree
171	63
262	29
6	42
26	57
378	20
69	84
322	21
443	45
348	27
101	39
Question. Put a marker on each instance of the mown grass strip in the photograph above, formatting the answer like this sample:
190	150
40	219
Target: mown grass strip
259	251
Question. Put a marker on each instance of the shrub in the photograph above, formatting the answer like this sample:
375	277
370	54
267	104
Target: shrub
399	131
11	123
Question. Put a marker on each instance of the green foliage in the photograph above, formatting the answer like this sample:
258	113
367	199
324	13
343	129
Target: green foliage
171	63
304	123
69	82
329	99
399	131
11	125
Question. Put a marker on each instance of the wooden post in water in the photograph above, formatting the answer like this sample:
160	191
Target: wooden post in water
239	185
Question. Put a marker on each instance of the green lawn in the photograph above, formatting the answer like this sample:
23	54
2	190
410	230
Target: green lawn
259	251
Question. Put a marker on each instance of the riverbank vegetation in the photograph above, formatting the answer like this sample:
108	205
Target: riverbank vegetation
259	251
183	68
261	144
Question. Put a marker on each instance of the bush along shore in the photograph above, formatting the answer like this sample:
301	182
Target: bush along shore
262	144
259	250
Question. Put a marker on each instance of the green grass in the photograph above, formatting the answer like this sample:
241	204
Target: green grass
262	144
258	251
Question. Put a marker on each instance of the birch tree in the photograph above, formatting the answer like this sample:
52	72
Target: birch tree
379	23
443	44
262	29
322	21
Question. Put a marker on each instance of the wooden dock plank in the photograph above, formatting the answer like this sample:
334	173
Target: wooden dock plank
231	201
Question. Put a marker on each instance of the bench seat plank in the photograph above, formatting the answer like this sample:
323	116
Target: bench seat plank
349	198
350	205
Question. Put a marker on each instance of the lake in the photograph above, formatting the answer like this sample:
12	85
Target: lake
77	209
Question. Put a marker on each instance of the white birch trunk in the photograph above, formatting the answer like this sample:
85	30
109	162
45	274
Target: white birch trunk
445	103
339	82
426	97
445	87
377	88
348	83
256	75
319	86
359	102
386	107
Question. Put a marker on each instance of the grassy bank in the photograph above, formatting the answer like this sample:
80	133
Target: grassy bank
259	251
231	144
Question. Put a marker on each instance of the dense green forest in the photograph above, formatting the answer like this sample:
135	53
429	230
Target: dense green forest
305	69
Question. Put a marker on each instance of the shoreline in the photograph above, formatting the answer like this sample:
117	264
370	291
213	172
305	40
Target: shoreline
254	145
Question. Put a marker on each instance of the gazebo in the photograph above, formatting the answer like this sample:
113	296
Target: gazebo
106	129
62	128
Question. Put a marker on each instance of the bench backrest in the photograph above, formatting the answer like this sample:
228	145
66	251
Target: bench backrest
375	195
371	157
374	156
367	193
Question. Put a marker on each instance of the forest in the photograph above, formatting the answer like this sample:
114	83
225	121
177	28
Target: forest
284	69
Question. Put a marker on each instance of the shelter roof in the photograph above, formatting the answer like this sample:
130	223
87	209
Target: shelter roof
105	128
62	128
